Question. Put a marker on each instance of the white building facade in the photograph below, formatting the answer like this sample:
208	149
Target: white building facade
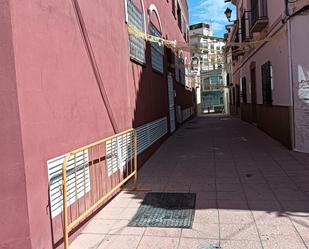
208	67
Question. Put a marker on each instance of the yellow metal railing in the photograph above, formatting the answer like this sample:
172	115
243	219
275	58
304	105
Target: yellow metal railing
93	173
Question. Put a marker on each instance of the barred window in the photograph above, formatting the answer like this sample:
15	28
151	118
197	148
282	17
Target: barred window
136	45
157	51
244	89
267	83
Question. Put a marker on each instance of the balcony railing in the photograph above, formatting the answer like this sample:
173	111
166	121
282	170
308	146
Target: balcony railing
259	15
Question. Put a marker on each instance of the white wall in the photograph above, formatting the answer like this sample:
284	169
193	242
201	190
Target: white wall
275	51
300	58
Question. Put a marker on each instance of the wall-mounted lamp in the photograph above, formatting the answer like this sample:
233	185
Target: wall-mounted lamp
228	13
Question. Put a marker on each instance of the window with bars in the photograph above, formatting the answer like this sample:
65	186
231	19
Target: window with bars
157	50
244	89
136	45
267	83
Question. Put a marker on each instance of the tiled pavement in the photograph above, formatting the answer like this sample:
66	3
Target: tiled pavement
252	193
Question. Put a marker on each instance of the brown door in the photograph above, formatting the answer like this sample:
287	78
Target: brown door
253	94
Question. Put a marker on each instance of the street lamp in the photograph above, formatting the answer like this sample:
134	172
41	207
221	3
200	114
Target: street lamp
228	13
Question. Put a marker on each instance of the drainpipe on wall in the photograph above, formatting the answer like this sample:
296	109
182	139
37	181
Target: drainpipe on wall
291	76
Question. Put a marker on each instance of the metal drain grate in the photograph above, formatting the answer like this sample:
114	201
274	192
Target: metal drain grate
175	210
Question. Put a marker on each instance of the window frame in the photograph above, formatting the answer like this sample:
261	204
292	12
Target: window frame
267	82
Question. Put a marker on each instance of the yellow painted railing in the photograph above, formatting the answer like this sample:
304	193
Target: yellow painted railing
93	173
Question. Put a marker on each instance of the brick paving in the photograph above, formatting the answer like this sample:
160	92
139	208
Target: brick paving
252	193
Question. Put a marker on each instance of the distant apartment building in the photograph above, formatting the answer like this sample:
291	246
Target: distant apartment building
268	72
208	67
71	74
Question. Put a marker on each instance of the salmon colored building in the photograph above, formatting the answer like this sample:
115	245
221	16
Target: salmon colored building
70	74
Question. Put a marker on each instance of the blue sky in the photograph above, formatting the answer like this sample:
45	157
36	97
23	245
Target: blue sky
212	12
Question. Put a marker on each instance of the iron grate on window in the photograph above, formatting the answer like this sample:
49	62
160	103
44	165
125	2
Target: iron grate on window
157	51
136	45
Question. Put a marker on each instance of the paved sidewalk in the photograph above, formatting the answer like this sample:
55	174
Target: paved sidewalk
252	193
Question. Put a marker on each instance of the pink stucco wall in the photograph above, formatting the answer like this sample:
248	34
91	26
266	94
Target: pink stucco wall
53	99
14	224
275	51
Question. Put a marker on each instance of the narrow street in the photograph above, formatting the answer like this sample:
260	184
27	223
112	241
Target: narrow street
154	124
252	193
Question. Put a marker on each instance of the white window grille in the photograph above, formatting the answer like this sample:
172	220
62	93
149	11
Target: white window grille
118	152
81	160
136	45
157	50
149	133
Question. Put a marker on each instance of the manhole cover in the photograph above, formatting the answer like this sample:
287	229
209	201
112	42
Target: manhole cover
165	210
